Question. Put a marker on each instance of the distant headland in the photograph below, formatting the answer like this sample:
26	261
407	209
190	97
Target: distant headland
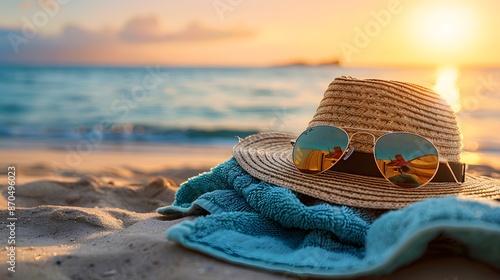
300	63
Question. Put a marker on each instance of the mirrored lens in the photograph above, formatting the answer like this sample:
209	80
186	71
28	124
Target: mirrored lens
407	160
319	148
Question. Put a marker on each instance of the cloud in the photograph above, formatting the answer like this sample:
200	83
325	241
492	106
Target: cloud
77	45
72	44
76	35
148	29
26	5
141	29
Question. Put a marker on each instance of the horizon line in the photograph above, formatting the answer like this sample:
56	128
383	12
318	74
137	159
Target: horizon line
282	65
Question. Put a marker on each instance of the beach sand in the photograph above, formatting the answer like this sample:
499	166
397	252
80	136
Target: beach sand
94	217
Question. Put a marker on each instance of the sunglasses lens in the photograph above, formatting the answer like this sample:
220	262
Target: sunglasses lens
319	148
405	159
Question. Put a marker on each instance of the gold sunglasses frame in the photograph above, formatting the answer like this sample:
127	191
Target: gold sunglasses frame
350	149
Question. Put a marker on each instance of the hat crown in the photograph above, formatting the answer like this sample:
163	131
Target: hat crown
393	106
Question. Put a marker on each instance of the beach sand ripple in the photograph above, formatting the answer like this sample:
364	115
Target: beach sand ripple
90	191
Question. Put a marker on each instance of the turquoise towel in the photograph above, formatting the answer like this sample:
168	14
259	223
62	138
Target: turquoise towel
254	223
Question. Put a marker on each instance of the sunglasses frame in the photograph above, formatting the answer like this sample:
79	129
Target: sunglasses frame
350	149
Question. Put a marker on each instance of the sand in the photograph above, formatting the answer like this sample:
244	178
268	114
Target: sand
97	220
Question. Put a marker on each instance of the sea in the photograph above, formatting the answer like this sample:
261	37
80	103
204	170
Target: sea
154	105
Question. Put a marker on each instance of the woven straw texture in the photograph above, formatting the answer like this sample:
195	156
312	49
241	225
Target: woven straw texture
368	104
393	106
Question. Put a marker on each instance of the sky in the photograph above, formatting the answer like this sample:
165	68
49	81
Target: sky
378	33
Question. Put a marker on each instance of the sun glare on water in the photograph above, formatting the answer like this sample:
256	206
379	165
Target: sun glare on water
446	86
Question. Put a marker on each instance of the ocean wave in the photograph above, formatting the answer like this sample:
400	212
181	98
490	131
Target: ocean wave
128	133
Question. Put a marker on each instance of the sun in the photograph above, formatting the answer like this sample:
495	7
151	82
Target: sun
447	29
446	86
444	25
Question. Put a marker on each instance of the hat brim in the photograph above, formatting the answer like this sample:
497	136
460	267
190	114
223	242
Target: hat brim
267	156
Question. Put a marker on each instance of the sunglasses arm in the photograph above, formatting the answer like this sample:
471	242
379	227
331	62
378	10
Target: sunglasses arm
451	170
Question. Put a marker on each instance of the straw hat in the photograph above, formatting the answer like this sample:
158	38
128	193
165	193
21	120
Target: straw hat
366	104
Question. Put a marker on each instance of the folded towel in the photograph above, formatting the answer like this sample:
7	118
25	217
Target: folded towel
254	223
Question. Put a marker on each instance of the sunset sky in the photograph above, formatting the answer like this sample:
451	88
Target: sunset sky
250	33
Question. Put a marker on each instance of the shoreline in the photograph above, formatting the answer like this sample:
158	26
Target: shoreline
35	163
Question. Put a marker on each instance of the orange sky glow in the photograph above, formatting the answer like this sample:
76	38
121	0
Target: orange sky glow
375	33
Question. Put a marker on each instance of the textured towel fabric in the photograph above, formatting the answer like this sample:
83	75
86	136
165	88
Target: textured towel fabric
250	222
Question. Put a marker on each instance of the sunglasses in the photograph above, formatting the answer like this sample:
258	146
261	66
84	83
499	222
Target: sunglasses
404	159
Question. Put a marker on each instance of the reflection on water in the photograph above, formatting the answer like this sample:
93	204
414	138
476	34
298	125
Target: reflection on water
480	141
446	86
471	158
